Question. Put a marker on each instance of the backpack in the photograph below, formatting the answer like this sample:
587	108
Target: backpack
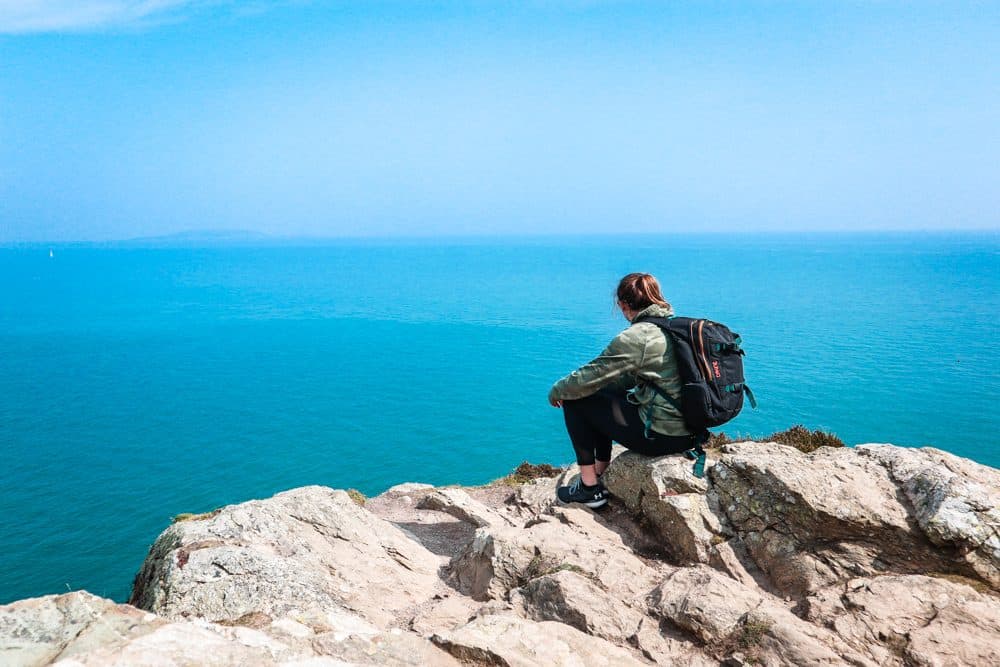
710	362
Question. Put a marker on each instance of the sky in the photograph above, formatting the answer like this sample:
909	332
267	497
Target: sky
126	118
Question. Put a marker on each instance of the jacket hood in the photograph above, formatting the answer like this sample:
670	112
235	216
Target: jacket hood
654	310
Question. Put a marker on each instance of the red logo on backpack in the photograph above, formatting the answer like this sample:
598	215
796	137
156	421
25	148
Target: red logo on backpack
715	367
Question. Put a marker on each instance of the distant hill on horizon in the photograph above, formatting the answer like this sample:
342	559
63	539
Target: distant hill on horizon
201	236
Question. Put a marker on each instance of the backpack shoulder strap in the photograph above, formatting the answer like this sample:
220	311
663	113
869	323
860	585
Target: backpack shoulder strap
664	323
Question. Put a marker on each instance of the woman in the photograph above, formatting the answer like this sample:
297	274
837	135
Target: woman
613	398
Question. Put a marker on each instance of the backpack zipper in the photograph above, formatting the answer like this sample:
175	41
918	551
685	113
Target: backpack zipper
707	374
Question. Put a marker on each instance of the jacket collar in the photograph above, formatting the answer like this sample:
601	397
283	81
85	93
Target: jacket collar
654	310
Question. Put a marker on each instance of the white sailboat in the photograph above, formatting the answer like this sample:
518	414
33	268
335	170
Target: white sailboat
50	253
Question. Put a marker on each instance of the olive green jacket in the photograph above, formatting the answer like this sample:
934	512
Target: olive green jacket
635	358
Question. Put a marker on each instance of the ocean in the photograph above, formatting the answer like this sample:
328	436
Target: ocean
139	381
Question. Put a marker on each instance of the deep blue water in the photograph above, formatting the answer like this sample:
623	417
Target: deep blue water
137	383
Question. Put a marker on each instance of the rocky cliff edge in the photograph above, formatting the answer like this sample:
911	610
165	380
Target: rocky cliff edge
871	555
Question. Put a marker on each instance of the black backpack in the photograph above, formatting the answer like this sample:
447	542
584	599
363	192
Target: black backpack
710	361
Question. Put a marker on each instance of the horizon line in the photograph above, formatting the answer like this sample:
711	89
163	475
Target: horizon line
253	237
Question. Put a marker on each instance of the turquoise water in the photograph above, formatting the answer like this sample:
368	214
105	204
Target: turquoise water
137	383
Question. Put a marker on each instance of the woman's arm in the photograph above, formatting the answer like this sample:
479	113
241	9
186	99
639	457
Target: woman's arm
623	354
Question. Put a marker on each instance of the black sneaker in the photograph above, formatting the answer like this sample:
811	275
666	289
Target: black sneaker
594	497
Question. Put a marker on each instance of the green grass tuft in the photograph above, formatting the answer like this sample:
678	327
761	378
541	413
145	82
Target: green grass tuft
752	632
187	516
797	436
745	638
527	472
358	497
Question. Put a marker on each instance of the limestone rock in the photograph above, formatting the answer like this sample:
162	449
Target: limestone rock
445	613
632	476
506	639
461	505
407	488
41	630
501	558
842	537
704	602
578	601
665	492
83	629
923	620
728	617
810	520
492	563
535	497
956	502
303	550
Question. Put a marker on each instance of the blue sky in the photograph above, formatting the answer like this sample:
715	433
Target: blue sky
121	118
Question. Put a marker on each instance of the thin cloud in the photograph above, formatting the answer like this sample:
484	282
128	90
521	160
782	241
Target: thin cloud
26	16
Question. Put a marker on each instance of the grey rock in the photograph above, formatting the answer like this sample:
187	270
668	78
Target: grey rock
577	600
299	552
912	619
665	492
83	629
810	520
955	501
461	505
731	617
506	639
844	537
501	558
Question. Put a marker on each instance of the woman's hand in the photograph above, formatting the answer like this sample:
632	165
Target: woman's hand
555	402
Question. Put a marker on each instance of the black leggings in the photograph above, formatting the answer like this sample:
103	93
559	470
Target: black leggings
597	420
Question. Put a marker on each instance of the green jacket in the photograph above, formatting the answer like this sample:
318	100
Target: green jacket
635	358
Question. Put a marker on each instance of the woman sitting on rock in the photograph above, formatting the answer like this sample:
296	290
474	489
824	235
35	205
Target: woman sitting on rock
612	398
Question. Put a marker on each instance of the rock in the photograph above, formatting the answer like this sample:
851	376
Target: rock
191	643
444	614
576	600
924	620
392	648
41	630
460	505
535	497
730	617
732	558
303	550
705	603
955	502
810	520
492	563
665	492
407	488
844	537
506	639
83	629
632	476
500	558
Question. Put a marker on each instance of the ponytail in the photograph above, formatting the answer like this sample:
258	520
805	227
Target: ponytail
639	291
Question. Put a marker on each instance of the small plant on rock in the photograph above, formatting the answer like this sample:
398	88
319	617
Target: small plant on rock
188	516
798	436
358	497
527	472
539	566
745	638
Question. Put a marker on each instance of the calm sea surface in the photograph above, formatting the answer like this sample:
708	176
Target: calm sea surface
137	383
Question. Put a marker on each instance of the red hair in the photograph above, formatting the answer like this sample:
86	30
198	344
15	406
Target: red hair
639	291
